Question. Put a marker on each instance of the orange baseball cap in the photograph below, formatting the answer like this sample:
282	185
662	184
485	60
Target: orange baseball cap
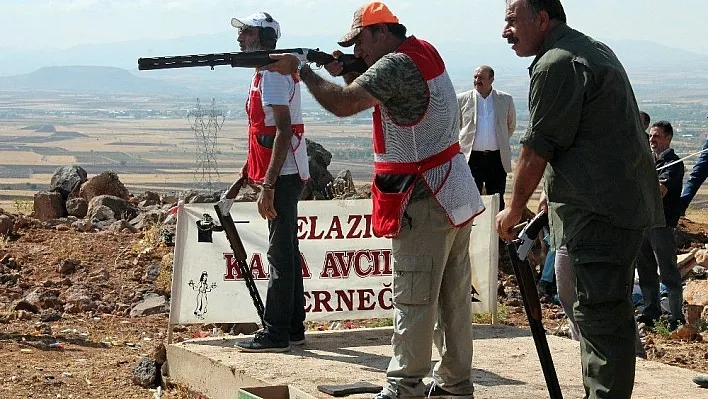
370	14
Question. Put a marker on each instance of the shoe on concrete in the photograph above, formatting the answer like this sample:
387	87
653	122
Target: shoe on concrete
434	391
701	380
297	338
382	395
262	342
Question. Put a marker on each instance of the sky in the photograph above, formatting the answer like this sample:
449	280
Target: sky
43	24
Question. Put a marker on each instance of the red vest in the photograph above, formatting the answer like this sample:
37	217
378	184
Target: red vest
429	144
258	155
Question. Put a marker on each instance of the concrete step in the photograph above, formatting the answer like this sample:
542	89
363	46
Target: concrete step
505	365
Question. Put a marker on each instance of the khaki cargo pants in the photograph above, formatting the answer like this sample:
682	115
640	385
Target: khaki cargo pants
603	259
431	284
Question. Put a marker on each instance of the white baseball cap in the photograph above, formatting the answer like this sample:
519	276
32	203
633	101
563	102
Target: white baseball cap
259	19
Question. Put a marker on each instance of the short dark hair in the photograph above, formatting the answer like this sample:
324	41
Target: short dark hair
397	30
665	126
645	117
487	68
554	8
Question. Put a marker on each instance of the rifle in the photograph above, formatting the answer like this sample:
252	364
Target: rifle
252	59
227	222
518	252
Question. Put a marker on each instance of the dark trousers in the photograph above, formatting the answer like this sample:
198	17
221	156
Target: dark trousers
603	260
285	302
488	172
659	251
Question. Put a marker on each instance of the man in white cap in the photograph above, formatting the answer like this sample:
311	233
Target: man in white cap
277	161
424	196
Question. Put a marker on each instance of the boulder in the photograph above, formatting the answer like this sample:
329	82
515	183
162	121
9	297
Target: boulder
77	299
145	373
150	218
152	304
318	160
48	206
6	223
77	207
107	183
67	180
119	208
42	298
696	292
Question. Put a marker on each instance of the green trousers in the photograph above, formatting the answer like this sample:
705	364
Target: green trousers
603	260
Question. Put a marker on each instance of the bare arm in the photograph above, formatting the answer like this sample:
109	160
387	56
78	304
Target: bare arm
529	172
342	101
281	144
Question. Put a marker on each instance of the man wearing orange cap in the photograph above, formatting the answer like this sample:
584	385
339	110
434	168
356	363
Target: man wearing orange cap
424	196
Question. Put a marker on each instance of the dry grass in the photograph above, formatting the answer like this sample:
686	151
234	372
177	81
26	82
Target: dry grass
27	157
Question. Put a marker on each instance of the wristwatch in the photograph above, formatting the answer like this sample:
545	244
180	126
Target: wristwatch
268	186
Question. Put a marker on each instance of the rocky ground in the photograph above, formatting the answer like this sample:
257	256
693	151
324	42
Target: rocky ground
80	308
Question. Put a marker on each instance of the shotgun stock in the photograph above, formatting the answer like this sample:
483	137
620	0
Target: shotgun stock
227	222
518	252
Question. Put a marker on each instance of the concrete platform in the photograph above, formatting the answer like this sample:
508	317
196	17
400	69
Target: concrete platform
505	365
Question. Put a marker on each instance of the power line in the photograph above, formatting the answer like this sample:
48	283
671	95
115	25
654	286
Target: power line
206	125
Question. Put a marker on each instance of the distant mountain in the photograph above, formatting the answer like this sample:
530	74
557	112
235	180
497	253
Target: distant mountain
31	70
87	79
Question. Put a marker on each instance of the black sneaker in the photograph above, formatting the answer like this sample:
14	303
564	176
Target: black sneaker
701	380
297	338
262	342
434	391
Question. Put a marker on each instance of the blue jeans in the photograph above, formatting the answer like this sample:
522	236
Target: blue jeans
549	270
285	302
697	177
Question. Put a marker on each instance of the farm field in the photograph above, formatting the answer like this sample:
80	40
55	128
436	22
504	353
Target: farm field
147	154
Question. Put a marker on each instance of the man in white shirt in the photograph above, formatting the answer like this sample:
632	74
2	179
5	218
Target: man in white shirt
277	161
487	121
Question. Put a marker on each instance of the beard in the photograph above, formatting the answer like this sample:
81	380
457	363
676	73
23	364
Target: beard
251	47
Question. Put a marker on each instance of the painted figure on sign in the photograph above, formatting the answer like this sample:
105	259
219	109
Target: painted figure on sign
202	288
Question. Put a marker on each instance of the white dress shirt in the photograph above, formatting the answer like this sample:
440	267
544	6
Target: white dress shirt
486	138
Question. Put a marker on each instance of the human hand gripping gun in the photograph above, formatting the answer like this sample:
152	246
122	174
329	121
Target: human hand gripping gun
518	253
252	59
227	223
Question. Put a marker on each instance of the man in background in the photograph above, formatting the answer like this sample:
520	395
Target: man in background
699	173
659	245
646	120
488	119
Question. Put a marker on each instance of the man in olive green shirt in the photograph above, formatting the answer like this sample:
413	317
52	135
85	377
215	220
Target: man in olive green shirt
585	133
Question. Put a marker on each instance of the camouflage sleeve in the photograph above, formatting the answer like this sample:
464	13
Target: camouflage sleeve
396	81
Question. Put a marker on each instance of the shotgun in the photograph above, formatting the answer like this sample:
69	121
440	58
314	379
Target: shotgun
227	223
251	59
518	253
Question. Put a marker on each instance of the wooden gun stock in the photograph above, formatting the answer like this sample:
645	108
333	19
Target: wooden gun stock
239	251
518	251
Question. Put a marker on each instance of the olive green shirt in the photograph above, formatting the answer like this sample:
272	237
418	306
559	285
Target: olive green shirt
585	122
